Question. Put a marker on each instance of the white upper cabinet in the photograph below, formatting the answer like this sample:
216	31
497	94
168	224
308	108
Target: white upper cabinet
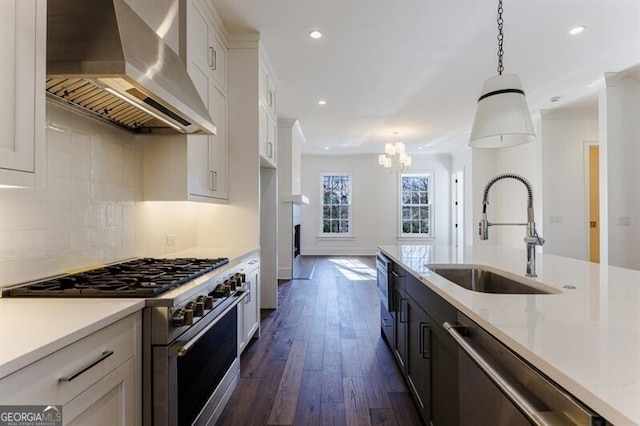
22	91
204	44
267	89
267	117
195	170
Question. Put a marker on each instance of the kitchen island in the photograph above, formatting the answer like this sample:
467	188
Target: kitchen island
586	338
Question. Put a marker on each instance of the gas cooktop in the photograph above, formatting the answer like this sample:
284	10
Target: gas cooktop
144	277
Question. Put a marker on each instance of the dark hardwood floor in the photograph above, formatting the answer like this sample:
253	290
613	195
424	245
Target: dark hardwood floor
320	359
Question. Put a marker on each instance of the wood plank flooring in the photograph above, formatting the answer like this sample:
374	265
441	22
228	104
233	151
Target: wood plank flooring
320	359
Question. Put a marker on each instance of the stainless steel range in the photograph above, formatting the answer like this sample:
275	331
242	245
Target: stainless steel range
190	361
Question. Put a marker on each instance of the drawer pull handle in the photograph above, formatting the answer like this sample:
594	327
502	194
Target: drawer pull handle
105	355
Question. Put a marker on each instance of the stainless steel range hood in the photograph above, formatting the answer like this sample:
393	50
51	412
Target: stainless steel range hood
104	59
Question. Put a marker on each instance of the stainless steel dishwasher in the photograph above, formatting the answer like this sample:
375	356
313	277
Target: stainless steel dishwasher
385	291
497	387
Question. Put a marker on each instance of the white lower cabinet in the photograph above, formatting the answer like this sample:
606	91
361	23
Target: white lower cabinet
96	380
249	310
109	402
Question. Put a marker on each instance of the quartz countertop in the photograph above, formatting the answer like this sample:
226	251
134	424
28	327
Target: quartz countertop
233	253
32	328
586	339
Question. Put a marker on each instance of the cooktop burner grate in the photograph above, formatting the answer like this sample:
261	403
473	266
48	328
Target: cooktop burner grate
145	277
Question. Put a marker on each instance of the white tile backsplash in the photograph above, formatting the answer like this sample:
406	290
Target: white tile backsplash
90	211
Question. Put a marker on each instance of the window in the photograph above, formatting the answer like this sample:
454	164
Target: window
416	210
336	204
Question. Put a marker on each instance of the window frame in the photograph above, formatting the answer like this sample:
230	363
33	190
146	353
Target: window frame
321	205
430	174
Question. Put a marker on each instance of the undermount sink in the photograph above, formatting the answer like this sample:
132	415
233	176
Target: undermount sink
484	279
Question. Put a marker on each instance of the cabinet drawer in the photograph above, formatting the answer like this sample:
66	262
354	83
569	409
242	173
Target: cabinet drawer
61	376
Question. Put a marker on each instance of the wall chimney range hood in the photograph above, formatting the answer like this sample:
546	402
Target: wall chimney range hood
105	60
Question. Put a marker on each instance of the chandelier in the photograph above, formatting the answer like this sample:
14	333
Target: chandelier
395	157
502	116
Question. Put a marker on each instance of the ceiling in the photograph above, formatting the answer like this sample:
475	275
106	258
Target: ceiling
416	66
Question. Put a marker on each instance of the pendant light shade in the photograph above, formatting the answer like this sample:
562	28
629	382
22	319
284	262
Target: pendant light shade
502	116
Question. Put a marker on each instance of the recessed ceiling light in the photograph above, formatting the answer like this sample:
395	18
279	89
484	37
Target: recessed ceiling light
322	102
315	34
577	30
326	148
420	147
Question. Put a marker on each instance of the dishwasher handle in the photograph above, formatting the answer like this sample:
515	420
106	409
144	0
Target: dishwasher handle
529	411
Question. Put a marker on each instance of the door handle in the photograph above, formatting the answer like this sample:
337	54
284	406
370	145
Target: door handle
514	395
102	357
213	58
425	341
211	178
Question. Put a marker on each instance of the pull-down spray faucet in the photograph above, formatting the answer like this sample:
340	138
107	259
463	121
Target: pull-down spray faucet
531	239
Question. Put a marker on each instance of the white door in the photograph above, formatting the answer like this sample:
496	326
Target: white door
457	209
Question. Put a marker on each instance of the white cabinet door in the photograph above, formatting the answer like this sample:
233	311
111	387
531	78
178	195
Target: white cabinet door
218	59
22	101
198	164
249	310
198	35
110	402
251	307
218	145
266	137
204	43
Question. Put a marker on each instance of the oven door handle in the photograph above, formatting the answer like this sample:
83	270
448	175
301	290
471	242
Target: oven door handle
181	348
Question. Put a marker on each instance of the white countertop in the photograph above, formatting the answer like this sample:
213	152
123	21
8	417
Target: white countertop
31	328
587	340
233	253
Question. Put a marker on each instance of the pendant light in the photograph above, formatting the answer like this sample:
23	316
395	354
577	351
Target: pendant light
395	156
502	116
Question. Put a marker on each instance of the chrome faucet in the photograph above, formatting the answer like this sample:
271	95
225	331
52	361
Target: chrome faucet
531	239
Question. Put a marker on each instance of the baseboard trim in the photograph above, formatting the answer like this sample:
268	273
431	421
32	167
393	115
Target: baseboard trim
285	273
339	251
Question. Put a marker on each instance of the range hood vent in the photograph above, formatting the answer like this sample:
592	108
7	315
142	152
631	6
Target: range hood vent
105	60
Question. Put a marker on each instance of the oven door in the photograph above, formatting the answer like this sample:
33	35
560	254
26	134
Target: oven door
193	380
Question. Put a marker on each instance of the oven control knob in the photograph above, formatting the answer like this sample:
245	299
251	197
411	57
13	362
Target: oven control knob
218	292
208	302
188	317
231	283
198	309
177	320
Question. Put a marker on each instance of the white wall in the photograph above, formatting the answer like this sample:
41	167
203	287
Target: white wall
375	202
563	135
463	160
620	156
290	140
90	211
507	197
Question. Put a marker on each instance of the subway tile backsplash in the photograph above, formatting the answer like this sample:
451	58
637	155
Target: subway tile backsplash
91	210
